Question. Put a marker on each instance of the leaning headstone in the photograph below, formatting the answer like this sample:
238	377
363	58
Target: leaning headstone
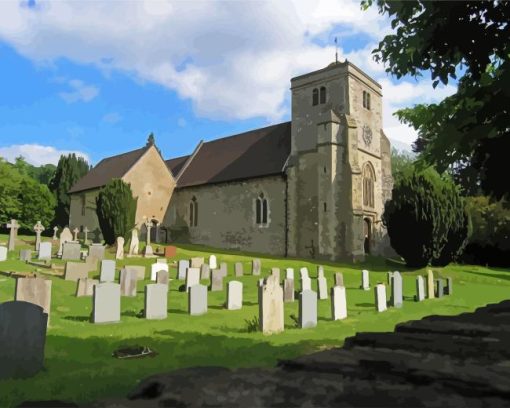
234	295
76	270
13	233
288	290
205	271
197	300
128	280
439	290
216	280
156	267
162	277
96	251
156	300
320	270
289	273
430	284
38	228
256	267
449	286
196	262
25	255
36	291
119	253
192	277
182	267
339	279
338	303
55	230
71	251
307	309
85	287
380	297
107	270
65	236
133	245
44	251
3	253
396	290
271	317
106	303
22	339
238	268
365	281
213	263
322	286
420	289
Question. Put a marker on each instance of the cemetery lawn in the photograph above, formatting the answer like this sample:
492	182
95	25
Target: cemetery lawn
79	366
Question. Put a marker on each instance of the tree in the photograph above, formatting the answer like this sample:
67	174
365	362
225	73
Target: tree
425	218
69	170
400	161
465	41
116	210
43	174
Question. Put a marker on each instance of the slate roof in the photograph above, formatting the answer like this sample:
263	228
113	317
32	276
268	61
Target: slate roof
257	153
107	169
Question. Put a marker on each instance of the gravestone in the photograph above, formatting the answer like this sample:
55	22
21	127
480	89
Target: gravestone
71	251
36	291
303	272
439	288
449	286
106	303
38	228
430	284
148	252
223	269
289	273
320	270
271	317
134	243
156	301
238	268
306	283
44	251
161	261
182	267
213	262
338	303
3	253
22	339
107	270
85	287
86	236
96	251
162	277
65	236
216	280
322	286
138	270
128	280
288	290
365	280
197	300
55	230
75	234
192	277
420	289
196	262
25	255
396	290
13	233
380	297
76	270
276	272
339	279
389	275
307	309
156	267
205	272
256	267
234	295
119	253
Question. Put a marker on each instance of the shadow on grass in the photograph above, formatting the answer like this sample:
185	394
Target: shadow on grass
364	304
505	275
77	318
177	311
132	313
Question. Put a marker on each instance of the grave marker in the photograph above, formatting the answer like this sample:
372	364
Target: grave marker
271	317
197	300
449	286
106	303
396	290
36	291
128	281
13	233
25	255
322	286
38	228
55	230
96	251
205	272
380	297
430	284
308	309
234	295
71	251
119	253
256	267
213	263
338	303
65	236
192	277
162	277
339	279
196	262
44	251
3	253
289	273
134	243
288	290
182	267
420	289
156	301
156	267
439	292
107	270
365	280
75	234
238	268
85	287
76	270
216	280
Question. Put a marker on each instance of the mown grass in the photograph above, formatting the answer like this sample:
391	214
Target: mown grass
79	365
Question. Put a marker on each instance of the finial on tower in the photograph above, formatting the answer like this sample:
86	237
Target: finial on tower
150	140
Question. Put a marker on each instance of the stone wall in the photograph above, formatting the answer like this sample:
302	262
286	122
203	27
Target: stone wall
83	210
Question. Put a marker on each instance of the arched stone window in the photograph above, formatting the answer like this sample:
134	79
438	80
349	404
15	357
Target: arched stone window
323	94
315	97
193	212
368	185
368	101
261	210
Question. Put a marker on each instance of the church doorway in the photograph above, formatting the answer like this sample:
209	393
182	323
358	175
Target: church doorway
367	234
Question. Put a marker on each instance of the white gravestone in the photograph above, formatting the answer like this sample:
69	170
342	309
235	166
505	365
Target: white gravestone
71	251
238	268
216	280
276	272
396	290
55	231
182	267
85	287
3	253
162	277
65	236
205	272
75	234
197	300
365	280
119	254
289	273
148	252
106	303
13	233
234	295
271	310
107	270
44	251
128	281
38	228
288	290
256	267
322	285
339	279
307	309
306	282
156	300
380	297
213	262
156	267
134	243
192	277
420	289
338	303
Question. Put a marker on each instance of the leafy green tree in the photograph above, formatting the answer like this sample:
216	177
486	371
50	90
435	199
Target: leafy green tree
116	210
400	161
43	174
464	41
69	170
424	218
10	180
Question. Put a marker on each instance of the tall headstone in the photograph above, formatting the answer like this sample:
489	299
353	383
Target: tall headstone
22	339
192	277
289	273
38	228
71	251
197	300
307	309
205	271
380	297
216	280
128	281
338	303
182	267
85	287
148	252
224	269
306	282
238	268
288	290
320	270
396	290
134	243
96	251
256	267
276	272
107	270
430	284
420	289
65	236
156	267
389	275
365	280
213	262
13	233
339	279
36	291
75	234
196	262
234	295
449	286
439	292
85	236
44	251
322	285
156	301
55	231
106	303
271	306
119	254
3	253
162	277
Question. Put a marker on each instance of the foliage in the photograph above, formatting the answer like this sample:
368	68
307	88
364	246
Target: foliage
472	126
399	161
69	170
116	210
425	218
43	174
252	325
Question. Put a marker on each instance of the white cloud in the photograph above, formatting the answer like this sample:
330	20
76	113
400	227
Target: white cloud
79	92
37	154
112	117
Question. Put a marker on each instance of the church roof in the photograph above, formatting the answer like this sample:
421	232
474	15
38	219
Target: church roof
257	153
107	169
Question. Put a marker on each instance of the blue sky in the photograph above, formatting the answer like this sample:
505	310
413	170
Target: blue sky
96	78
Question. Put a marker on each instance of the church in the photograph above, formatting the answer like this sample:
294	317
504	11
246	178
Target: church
314	187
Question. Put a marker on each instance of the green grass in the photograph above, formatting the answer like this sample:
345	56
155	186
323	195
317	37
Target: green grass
79	365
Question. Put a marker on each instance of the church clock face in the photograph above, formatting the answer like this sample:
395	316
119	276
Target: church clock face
367	135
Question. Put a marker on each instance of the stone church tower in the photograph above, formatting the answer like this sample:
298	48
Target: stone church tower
339	169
